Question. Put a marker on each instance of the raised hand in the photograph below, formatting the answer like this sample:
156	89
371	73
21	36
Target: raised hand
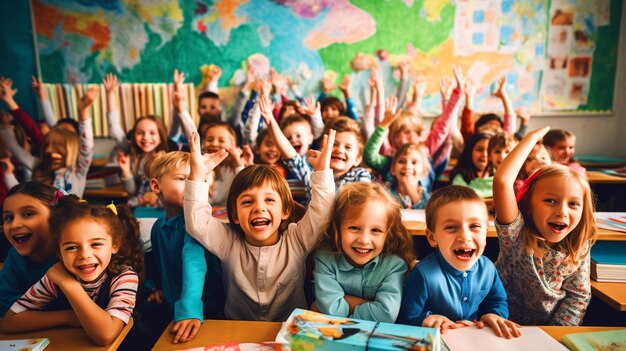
310	106
178	101
123	161
266	106
110	83
404	69
7	93
320	160
7	166
501	88
39	89
328	85
266	87
179	80
458	75
346	85
86	101
213	73
445	86
390	111
247	157
202	165
470	92
524	115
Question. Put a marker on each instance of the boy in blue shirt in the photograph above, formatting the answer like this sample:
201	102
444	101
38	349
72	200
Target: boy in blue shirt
190	277
456	284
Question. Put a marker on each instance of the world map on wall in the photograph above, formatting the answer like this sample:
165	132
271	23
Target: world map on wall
144	40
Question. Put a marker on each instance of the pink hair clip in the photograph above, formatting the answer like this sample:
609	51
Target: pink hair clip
526	185
57	196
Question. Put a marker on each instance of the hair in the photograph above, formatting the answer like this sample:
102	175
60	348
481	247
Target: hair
486	118
254	176
293	119
465	167
421	150
40	191
352	197
288	103
207	119
334	102
61	137
67	120
122	227
162	135
446	195
406	120
574	245
522	173
344	124
208	95
553	136
165	163
499	141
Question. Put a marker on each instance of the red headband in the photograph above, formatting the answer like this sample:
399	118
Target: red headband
526	185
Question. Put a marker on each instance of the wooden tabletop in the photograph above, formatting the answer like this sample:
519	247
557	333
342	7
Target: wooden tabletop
214	332
614	294
69	338
117	191
596	177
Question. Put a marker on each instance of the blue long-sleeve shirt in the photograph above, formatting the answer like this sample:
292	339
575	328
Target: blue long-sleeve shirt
18	274
191	277
379	281
350	107
435	287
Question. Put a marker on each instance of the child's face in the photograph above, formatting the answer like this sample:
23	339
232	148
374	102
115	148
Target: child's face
564	149
259	213
408	164
26	226
537	158
56	152
289	110
498	155
268	151
209	106
363	232
557	207
479	155
171	186
299	136
329	112
345	153
217	138
405	136
86	248
147	135
460	233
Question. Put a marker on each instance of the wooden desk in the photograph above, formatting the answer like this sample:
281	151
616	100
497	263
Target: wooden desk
69	338
419	228
596	177
116	191
219	332
614	294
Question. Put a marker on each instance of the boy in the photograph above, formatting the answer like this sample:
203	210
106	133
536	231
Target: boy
182	264
456	285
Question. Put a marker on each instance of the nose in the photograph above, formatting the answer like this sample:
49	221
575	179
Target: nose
562	210
464	235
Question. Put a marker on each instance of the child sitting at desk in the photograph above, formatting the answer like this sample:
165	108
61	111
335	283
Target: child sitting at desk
456	284
262	253
190	277
562	144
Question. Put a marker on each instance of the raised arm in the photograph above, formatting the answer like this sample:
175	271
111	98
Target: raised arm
44	101
467	117
22	156
212	76
345	87
419	91
504	200
311	108
7	94
405	82
111	87
509	113
283	144
85	131
371	152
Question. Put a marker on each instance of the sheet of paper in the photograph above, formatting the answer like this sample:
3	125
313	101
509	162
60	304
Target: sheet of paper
472	339
413	215
611	220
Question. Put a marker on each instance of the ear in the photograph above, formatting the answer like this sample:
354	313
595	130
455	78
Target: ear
235	217
286	214
430	236
391	171
114	249
154	186
359	158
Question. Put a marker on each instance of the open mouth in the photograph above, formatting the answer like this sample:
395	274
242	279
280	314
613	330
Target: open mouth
464	254
361	251
260	223
557	226
297	148
88	268
21	238
338	158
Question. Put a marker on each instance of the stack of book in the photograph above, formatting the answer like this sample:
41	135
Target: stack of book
608	261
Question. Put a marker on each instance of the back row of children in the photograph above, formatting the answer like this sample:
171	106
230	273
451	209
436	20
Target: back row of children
364	250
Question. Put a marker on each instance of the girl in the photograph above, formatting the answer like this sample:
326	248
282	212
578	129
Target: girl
267	152
95	284
147	138
262	253
545	236
537	158
562	143
471	169
409	166
25	224
500	145
364	258
65	157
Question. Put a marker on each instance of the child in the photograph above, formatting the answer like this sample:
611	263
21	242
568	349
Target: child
409	166
298	131
365	253
456	284
332	107
537	158
95	284
500	145
471	169
191	279
545	235
25	224
267	152
262	254
562	144
65	156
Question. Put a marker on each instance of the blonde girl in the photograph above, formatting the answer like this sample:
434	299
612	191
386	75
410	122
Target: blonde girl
545	236
363	257
409	166
95	284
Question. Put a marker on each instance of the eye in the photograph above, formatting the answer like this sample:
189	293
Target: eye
377	231
270	199
28	214
575	204
353	228
70	248
97	244
475	226
246	202
7	218
450	227
550	201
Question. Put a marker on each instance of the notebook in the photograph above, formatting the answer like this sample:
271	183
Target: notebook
603	340
24	344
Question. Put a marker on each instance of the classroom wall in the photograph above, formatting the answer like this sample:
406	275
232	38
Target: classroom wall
605	135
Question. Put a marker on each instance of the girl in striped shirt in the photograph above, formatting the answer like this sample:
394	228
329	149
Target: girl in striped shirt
95	285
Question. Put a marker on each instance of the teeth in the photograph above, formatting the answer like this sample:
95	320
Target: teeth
463	251
260	222
363	251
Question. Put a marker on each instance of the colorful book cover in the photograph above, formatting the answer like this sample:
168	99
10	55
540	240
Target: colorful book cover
308	330
610	340
24	344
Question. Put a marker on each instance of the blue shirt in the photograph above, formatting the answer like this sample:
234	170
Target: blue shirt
17	275
191	277
379	281
435	287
